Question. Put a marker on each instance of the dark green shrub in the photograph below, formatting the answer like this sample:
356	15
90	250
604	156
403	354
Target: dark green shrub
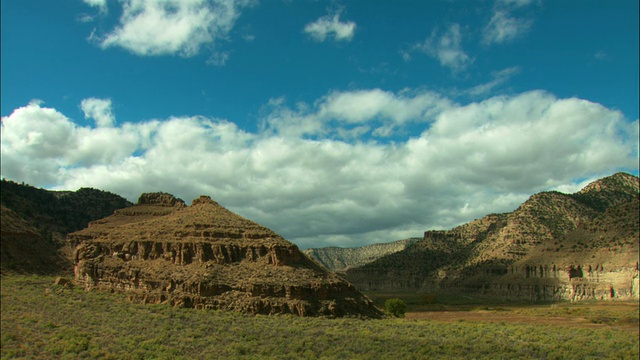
395	307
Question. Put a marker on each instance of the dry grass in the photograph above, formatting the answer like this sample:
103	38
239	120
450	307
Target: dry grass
44	321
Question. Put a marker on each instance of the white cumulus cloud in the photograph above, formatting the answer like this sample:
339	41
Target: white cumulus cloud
99	110
150	27
344	114
331	26
318	189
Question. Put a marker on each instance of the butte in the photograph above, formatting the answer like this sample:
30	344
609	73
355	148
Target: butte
207	257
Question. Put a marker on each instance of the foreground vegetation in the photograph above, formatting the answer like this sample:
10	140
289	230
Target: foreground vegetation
44	321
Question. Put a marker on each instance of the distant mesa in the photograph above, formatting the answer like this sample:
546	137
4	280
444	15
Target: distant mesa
205	256
341	259
160	199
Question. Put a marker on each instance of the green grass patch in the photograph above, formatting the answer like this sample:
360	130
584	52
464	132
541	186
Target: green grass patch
42	321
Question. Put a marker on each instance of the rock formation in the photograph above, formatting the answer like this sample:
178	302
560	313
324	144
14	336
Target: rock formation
554	246
205	256
340	259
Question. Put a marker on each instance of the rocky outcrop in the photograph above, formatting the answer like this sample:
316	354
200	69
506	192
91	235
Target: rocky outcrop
340	259
567	282
554	246
205	256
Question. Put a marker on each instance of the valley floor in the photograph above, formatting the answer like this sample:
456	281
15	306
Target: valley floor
40	320
618	315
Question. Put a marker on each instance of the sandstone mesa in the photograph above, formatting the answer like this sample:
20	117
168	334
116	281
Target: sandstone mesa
205	256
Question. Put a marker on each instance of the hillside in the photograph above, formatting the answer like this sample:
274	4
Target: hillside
36	221
554	246
59	212
24	250
205	256
340	259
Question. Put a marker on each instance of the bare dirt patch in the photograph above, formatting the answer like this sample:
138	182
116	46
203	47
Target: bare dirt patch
623	316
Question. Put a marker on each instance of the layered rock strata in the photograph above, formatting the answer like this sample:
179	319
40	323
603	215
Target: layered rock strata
205	256
555	246
340	259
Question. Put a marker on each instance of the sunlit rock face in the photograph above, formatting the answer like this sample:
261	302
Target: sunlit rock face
205	256
555	246
340	259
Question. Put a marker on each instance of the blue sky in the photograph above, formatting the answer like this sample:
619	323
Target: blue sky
332	122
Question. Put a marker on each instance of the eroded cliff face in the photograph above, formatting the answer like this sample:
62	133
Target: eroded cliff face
553	247
598	259
340	259
204	256
589	263
575	283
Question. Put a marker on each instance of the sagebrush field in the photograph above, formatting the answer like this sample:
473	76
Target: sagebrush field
40	320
